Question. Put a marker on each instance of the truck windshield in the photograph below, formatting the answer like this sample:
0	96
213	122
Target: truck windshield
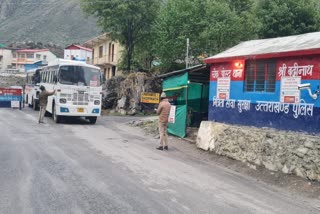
79	75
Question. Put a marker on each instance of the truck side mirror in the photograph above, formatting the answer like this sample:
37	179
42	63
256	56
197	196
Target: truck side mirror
55	79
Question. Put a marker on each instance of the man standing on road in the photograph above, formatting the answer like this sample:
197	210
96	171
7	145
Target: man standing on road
43	97
163	112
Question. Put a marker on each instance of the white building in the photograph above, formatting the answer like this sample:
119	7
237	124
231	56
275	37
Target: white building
25	59
5	59
78	52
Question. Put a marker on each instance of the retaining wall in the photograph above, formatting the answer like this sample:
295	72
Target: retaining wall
289	152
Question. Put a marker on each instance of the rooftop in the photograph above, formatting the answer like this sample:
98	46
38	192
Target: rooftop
197	73
79	47
101	38
276	47
32	50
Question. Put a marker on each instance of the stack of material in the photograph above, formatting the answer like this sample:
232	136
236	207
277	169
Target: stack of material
123	94
7	80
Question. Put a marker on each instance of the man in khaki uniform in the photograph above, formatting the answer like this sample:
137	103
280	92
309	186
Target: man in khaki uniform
43	98
163	112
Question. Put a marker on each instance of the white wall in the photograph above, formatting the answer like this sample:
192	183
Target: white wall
83	54
6	59
50	56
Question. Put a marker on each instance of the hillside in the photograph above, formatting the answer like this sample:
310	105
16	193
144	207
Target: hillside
59	22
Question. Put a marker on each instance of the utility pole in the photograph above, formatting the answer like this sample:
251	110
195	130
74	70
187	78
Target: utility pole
187	55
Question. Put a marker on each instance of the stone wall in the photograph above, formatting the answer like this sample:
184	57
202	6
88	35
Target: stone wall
289	152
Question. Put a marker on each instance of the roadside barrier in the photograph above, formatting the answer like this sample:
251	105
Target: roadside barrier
11	98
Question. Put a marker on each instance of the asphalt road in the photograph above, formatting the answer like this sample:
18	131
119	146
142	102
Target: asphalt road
112	168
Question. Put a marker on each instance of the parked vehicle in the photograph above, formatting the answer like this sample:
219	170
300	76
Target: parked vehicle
78	89
31	90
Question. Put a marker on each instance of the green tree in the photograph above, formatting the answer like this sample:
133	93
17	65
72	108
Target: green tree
287	17
127	21
211	25
240	6
177	21
226	27
245	10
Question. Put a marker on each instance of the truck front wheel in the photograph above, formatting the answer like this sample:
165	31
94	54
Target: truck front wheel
92	120
56	118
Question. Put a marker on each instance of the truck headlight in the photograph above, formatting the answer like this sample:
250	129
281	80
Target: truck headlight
63	100
97	102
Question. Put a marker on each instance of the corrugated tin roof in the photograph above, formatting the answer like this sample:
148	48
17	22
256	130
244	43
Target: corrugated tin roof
32	50
275	45
198	73
173	73
99	39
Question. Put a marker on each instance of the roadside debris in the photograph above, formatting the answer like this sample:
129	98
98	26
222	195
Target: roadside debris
7	80
123	93
150	126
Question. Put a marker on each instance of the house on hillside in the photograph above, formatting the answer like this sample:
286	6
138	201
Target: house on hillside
78	52
106	54
25	59
268	83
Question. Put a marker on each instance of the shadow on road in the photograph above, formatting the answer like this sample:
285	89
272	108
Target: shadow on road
74	121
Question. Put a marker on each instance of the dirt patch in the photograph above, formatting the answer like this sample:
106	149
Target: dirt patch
149	125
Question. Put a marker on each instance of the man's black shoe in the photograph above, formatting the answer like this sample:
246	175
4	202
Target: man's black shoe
166	147
160	148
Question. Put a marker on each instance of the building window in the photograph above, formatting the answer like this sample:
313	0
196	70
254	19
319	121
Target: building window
260	76
30	56
109	56
44	57
112	54
105	73
38	56
271	76
113	71
14	55
22	56
100	51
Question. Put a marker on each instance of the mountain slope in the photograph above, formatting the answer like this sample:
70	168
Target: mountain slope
59	22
